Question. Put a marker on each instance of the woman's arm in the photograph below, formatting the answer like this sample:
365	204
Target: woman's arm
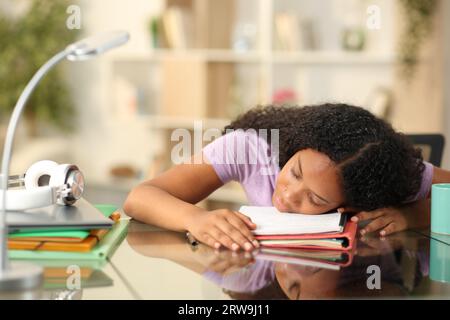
168	201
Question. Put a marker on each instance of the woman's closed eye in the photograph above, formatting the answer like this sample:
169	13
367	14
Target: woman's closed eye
311	198
296	175
313	201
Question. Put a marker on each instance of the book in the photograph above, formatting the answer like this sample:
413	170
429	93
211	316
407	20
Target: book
329	231
58	243
178	27
270	221
287	32
55	236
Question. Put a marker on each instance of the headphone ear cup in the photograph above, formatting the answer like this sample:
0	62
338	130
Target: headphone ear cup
39	174
58	175
58	178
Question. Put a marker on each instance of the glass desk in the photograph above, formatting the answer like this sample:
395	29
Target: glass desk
156	264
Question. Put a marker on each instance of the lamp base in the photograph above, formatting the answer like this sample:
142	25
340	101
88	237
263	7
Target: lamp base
21	276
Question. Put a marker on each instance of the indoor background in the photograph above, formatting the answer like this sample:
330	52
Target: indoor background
211	60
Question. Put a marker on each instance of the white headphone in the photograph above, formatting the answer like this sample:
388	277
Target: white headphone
46	183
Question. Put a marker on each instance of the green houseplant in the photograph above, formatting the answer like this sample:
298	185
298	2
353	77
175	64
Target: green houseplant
26	42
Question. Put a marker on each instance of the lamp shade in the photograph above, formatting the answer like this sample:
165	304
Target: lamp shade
95	45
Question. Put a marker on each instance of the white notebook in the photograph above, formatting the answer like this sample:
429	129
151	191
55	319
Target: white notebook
270	221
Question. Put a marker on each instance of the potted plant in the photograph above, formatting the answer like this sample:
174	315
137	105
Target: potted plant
27	41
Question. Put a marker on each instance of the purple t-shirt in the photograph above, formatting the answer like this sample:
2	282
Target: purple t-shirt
247	157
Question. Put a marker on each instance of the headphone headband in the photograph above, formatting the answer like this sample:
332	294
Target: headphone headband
16	181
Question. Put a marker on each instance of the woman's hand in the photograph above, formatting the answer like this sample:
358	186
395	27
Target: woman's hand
385	220
223	227
394	219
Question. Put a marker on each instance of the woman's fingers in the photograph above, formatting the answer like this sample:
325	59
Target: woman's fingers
367	215
235	235
228	229
209	241
240	225
246	219
223	239
376	224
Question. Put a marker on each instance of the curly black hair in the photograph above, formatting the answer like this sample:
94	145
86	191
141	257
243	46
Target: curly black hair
378	166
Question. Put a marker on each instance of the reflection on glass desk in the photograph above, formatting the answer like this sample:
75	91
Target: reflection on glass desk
439	237
161	265
439	255
156	264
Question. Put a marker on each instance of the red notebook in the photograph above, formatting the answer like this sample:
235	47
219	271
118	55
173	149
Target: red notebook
344	240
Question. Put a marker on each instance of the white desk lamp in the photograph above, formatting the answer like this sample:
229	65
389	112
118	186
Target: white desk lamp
19	275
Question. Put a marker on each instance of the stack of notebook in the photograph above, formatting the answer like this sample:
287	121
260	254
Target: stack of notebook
331	231
68	244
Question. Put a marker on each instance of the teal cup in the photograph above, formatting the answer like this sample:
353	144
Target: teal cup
440	208
440	259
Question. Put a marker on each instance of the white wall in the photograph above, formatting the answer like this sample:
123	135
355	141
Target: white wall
101	143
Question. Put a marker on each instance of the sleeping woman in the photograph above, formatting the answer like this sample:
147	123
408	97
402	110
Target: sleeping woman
310	160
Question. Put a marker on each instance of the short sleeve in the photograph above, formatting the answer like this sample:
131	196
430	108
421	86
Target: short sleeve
427	180
235	155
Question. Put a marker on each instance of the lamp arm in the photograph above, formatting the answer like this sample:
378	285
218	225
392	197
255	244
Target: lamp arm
7	148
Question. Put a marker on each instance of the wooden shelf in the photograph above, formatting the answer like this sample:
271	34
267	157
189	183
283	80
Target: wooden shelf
210	55
275	57
334	58
165	122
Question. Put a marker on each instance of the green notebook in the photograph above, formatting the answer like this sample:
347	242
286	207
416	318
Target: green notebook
81	234
104	249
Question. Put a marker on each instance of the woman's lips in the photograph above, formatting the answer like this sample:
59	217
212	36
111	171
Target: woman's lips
280	205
